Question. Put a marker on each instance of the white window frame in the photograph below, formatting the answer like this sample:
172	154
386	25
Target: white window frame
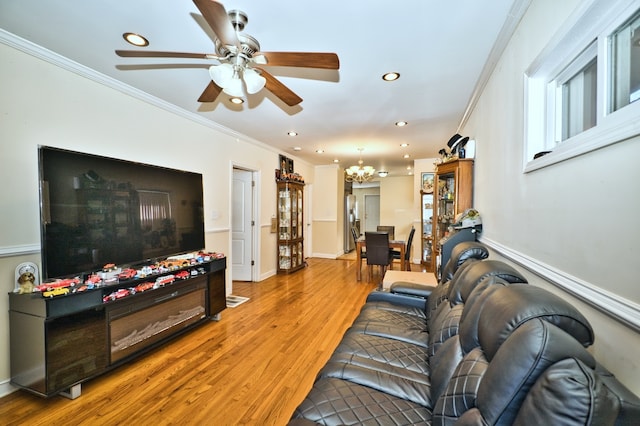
592	20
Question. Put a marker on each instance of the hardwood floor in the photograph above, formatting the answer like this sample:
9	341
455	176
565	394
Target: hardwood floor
254	366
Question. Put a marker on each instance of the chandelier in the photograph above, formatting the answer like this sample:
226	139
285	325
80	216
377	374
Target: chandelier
359	173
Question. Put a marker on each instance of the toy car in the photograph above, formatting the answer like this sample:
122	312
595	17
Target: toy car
127	274
182	275
56	292
144	286
162	281
60	283
93	279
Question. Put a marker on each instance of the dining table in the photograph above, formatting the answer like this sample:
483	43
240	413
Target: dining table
399	245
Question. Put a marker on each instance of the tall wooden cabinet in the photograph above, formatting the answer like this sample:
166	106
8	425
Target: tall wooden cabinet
290	226
453	194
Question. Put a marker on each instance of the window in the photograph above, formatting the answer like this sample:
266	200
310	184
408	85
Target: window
581	90
576	96
624	45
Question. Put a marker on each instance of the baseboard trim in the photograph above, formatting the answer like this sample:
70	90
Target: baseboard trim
614	306
6	388
326	255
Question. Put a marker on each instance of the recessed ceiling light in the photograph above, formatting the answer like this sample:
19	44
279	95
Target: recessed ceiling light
404	145
297	148
401	123
391	76
292	133
406	156
236	101
135	39
382	173
335	160
408	167
319	151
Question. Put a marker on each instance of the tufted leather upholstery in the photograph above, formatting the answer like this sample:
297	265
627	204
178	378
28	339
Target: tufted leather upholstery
492	351
460	254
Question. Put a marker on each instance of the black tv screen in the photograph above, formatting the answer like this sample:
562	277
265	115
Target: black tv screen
97	210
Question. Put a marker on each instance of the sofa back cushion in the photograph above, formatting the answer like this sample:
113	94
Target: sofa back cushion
568	393
460	254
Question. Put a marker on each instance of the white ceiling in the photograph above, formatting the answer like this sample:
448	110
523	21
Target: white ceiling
439	47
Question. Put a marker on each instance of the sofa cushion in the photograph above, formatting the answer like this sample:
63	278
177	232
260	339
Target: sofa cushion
517	364
413	387
341	402
568	393
514	305
388	351
460	254
470	276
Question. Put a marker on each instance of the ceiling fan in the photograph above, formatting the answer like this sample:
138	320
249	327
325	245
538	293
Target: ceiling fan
238	54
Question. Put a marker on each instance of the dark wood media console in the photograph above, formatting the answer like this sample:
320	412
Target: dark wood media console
58	343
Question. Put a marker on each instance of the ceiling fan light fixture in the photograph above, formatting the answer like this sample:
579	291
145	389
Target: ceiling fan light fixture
254	81
234	88
221	74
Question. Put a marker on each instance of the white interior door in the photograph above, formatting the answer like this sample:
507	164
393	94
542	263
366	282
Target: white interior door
241	225
371	213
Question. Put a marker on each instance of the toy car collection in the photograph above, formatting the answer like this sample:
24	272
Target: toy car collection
186	266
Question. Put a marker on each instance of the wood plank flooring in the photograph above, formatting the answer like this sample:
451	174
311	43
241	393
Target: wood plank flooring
254	366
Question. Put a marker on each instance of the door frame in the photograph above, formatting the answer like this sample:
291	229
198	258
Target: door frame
255	215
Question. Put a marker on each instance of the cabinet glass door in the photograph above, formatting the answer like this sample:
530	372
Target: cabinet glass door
446	204
290	226
427	228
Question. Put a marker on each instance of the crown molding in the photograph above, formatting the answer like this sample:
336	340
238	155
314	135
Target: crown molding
65	63
514	17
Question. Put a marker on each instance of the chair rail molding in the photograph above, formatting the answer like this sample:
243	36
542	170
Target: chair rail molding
618	308
20	250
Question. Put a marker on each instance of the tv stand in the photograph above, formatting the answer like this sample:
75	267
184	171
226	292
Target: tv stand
58	343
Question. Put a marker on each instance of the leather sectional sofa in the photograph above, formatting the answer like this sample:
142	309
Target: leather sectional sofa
481	348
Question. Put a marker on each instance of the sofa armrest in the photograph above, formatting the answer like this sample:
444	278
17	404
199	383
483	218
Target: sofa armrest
397	299
412	289
629	402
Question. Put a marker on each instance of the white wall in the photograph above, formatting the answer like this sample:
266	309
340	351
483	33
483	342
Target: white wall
572	223
43	104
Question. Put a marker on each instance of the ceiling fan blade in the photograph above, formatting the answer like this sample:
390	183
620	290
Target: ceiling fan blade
280	90
216	16
302	59
156	54
210	93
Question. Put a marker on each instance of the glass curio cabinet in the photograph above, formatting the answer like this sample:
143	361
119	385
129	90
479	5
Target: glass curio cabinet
453	192
290	226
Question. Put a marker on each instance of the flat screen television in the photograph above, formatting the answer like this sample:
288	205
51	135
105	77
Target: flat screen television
97	210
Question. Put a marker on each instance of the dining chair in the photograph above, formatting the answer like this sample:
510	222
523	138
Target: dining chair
378	253
407	250
391	230
356	235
